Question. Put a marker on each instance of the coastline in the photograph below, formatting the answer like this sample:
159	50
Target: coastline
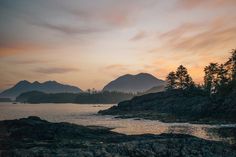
35	136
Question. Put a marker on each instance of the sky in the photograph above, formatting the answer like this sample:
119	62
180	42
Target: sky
88	43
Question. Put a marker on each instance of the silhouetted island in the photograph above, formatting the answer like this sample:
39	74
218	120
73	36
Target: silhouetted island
5	100
104	97
33	137
46	87
139	83
184	101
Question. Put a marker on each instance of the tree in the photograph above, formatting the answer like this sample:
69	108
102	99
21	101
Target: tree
171	81
189	82
231	65
184	80
222	78
210	78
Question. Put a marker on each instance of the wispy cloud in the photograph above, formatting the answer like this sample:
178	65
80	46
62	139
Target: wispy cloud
115	67
100	35
191	4
15	47
201	37
70	30
27	61
28	25
140	35
195	45
105	14
54	70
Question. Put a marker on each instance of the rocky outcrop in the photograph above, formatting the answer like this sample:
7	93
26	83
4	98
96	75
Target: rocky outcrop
33	136
192	105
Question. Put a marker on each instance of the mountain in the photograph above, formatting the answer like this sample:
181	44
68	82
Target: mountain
133	83
47	87
156	89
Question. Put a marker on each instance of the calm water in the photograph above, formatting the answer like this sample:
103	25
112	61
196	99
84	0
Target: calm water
85	114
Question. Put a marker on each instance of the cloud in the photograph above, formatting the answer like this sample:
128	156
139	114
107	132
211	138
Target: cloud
115	67
191	4
27	61
140	35
106	17
195	45
54	70
201	37
29	25
112	14
70	30
207	40
115	70
15	47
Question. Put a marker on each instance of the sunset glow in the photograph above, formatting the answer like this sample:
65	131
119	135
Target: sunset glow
89	43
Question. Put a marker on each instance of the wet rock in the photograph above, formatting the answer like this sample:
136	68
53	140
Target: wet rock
36	137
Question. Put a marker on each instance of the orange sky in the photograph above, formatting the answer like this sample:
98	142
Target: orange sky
88	44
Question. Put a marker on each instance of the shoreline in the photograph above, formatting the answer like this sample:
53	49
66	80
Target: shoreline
166	120
33	136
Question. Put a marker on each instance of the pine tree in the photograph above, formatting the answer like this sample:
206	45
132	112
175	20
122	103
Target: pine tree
210	78
222	78
231	65
184	80
171	81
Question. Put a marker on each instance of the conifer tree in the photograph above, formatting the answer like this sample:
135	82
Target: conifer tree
171	81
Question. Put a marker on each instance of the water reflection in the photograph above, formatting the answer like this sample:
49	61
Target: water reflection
86	115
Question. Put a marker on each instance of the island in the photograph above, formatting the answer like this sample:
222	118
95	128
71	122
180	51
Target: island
185	101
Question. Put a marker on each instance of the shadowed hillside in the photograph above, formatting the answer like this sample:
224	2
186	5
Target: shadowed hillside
133	83
47	87
82	98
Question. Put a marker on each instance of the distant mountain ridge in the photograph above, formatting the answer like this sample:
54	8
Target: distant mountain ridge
47	87
156	89
134	83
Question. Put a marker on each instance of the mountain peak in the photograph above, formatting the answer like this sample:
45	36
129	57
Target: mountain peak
22	83
36	82
143	74
51	82
46	87
133	83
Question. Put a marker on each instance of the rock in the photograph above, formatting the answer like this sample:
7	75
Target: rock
33	136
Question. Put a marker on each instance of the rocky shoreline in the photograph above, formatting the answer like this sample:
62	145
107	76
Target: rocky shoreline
33	136
192	106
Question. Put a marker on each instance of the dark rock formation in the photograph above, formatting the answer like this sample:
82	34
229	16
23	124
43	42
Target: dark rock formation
35	137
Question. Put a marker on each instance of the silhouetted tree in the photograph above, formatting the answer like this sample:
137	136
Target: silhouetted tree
184	80
222	78
171	81
189	81
210	78
231	65
89	90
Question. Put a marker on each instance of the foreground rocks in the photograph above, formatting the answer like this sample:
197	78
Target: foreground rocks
35	137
